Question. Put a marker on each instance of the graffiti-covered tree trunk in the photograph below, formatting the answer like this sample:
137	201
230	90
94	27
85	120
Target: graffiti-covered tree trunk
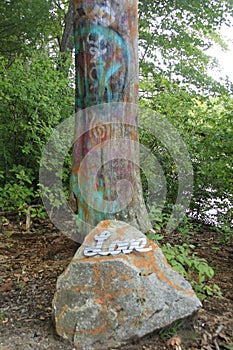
105	179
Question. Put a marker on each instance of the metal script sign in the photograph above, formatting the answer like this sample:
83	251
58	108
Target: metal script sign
116	247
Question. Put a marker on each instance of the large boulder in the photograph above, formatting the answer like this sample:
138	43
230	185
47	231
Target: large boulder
118	286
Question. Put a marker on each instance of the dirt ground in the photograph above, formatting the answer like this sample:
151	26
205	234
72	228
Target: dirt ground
32	261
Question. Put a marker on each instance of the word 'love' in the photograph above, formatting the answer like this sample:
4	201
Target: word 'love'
116	247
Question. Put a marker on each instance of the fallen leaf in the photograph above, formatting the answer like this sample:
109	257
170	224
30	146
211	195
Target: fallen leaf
223	336
5	320
174	342
26	279
17	275
7	287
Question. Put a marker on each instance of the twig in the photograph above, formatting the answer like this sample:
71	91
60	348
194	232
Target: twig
28	215
16	211
216	344
218	330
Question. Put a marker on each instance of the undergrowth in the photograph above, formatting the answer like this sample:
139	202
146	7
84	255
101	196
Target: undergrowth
194	269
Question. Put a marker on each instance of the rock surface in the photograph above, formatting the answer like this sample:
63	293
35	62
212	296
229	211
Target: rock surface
103	301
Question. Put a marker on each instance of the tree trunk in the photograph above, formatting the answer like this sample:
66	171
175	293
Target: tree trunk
66	40
105	179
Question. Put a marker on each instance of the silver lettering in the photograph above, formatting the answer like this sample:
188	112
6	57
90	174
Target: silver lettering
116	247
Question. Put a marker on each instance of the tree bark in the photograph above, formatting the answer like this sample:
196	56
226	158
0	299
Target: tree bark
106	61
66	40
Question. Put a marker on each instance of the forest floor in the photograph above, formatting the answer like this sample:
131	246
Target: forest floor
32	261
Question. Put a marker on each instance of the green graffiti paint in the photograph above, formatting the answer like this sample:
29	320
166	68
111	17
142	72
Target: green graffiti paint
102	59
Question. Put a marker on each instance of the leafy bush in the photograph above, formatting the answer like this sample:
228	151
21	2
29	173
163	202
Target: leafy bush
39	99
195	269
205	125
18	192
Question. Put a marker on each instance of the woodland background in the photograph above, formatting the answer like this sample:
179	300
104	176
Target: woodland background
37	94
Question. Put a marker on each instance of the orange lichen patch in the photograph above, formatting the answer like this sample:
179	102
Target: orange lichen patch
143	261
99	301
109	296
125	277
113	273
149	311
68	331
136	321
96	274
146	260
90	239
65	308
150	263
122	230
105	224
166	263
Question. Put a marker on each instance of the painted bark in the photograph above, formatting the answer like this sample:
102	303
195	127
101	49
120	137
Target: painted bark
106	61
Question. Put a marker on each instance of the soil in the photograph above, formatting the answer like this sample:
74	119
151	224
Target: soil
32	260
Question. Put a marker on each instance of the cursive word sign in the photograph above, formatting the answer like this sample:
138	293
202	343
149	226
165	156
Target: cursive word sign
116	247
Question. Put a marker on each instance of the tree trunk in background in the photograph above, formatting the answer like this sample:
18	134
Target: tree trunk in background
106	62
66	40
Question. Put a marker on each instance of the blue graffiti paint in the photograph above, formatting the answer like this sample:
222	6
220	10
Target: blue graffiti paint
74	185
102	59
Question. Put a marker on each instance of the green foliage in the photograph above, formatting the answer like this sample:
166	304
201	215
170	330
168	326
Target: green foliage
210	123
195	269
17	193
169	332
38	212
158	219
174	35
187	228
36	94
40	98
205	125
225	230
174	82
25	24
